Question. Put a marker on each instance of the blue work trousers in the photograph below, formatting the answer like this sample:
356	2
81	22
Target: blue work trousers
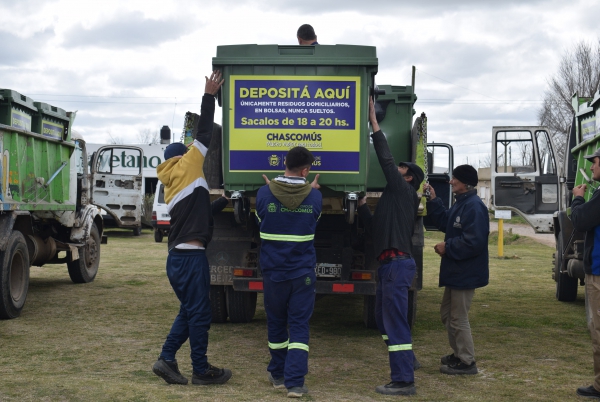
189	275
289	304
391	314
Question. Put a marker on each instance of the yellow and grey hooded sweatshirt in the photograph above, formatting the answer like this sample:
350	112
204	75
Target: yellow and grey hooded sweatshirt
186	189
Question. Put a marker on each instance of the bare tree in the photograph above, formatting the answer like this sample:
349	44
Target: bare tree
147	136
579	72
112	140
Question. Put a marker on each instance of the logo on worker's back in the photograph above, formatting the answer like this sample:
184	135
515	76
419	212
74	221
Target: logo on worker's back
307	281
457	223
274	160
272	207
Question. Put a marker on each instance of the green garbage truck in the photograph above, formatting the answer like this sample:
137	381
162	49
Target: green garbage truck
527	179
49	198
277	97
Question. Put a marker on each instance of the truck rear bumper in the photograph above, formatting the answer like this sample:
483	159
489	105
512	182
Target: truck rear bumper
323	287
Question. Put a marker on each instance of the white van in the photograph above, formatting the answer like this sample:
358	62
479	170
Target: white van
161	220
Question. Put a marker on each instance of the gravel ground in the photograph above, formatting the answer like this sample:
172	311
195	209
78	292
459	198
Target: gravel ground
526	230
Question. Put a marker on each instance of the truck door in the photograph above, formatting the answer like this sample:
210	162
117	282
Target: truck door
440	163
115	191
525	174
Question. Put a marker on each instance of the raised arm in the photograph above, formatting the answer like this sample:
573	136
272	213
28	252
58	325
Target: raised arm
207	110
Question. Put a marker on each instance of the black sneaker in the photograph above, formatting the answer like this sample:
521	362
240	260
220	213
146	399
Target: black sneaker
449	360
588	392
297	392
397	388
278	383
168	371
459	368
213	375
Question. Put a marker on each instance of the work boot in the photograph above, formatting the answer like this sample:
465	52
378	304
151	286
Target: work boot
277	382
213	375
168	371
449	360
397	388
588	392
416	364
459	368
297	392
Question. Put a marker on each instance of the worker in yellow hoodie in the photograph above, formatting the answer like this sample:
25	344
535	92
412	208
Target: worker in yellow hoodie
188	201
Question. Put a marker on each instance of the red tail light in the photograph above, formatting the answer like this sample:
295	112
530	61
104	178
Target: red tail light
154	216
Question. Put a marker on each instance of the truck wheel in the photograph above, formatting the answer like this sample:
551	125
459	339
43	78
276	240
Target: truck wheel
369	312
241	306
218	303
14	276
158	236
84	269
137	231
412	307
566	286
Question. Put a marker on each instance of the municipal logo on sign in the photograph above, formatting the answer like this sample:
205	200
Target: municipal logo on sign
274	160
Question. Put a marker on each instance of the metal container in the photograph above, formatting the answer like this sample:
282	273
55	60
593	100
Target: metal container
277	97
394	107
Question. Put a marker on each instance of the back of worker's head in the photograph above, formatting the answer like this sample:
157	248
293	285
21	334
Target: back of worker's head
298	158
175	149
306	32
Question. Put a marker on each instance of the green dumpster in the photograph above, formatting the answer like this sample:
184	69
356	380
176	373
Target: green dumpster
16	110
394	113
277	97
51	121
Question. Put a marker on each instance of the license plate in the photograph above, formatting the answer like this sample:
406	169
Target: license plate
328	270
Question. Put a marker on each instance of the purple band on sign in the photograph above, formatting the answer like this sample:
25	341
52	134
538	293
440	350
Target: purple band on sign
274	160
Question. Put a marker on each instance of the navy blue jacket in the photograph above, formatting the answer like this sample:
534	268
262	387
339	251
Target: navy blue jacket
586	218
467	226
287	236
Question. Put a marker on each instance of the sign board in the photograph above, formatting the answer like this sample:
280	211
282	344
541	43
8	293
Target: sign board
269	115
128	162
502	214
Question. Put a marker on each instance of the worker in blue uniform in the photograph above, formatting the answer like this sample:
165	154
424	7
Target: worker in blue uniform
391	227
287	211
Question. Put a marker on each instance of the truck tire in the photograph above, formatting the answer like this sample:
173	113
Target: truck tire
241	306
137	231
412	307
218	303
14	276
369	312
84	269
566	286
158	236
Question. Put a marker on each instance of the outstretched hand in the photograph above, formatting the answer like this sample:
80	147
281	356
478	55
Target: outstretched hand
373	116
213	83
315	183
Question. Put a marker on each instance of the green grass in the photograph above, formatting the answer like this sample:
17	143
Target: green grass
97	342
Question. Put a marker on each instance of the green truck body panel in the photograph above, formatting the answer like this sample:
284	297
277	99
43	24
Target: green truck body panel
35	152
28	162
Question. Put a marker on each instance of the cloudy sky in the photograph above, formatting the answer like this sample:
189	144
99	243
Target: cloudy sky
129	66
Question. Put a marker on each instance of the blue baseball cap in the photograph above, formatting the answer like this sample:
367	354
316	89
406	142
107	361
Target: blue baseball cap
175	149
